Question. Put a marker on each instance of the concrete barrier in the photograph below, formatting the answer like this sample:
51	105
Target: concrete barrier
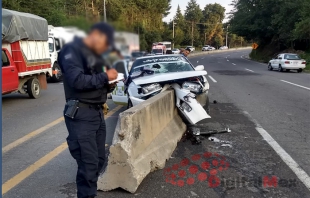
145	137
216	51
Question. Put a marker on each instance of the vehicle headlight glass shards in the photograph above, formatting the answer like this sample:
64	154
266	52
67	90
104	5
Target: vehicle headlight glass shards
151	88
196	88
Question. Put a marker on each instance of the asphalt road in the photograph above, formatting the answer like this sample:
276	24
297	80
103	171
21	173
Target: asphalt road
249	100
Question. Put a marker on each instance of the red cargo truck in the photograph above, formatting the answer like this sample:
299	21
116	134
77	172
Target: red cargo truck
25	53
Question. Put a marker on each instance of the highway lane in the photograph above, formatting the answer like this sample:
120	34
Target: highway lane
250	156
282	109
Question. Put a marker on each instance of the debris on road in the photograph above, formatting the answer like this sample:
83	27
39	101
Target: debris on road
226	130
194	134
214	139
227	145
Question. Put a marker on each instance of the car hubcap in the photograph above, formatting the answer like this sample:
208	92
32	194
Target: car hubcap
36	88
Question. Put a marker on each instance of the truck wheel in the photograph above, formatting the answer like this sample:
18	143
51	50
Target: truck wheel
57	77
33	88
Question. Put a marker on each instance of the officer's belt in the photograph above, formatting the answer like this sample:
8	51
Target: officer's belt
87	105
90	105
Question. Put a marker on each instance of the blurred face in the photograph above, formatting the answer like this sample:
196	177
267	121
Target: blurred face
99	42
185	53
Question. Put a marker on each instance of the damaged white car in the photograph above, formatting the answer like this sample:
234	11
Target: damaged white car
151	75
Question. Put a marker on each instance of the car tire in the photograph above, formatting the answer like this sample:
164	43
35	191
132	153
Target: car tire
280	69
33	88
270	67
129	104
287	70
299	70
57	77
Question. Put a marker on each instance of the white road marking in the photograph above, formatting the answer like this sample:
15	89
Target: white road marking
296	84
197	61
289	161
227	60
233	63
249	70
212	79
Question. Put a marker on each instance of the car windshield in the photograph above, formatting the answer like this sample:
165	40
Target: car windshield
162	64
175	49
155	51
291	57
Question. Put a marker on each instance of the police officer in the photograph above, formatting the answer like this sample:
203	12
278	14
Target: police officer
85	79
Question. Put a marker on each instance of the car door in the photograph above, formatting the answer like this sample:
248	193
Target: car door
118	95
279	60
9	74
275	62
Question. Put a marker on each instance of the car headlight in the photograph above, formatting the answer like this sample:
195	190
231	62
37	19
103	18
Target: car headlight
186	107
192	87
151	88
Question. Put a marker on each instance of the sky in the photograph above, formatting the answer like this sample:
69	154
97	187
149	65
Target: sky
202	4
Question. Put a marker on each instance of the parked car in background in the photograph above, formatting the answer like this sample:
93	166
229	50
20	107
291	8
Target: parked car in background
210	48
191	48
287	62
126	57
136	54
223	48
204	48
175	51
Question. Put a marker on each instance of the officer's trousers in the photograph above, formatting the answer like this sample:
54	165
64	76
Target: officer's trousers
86	142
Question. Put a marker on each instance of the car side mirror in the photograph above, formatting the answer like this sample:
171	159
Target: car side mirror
199	68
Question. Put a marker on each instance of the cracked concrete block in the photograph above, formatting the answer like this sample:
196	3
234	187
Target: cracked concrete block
145	137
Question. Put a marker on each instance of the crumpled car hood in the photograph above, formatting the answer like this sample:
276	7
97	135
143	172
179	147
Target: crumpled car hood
167	76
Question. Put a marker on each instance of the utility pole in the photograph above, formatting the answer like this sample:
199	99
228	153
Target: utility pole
173	24
205	38
104	12
227	34
192	33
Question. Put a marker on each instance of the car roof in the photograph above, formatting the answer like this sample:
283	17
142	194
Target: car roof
142	57
289	54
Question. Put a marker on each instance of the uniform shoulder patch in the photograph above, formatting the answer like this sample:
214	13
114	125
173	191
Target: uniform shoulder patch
68	56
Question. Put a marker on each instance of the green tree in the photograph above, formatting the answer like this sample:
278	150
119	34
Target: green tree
213	16
193	14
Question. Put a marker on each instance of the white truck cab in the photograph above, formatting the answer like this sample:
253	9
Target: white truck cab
58	37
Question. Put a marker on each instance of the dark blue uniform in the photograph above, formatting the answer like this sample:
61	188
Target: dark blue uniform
84	81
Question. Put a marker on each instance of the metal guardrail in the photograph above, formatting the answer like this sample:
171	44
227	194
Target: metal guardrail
216	51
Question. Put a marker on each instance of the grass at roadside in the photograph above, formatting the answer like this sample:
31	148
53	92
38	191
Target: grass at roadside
306	56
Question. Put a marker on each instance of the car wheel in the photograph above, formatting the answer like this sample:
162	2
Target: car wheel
299	70
280	69
270	67
129	104
33	88
288	70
